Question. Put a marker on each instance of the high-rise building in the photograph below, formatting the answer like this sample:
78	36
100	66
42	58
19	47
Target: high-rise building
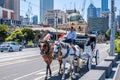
118	19
15	6
54	17
2	3
44	6
98	12
35	19
91	11
104	5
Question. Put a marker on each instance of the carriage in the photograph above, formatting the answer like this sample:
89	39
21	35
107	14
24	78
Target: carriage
90	54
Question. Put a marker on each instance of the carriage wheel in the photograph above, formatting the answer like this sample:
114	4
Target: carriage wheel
97	57
89	64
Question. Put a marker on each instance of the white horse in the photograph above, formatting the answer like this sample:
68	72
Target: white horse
67	55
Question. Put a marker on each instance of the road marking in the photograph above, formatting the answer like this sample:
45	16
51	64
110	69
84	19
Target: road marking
16	62
33	73
41	73
39	78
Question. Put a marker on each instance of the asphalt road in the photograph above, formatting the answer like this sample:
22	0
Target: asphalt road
28	65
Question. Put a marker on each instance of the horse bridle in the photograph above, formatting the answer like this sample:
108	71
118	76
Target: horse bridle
59	50
44	47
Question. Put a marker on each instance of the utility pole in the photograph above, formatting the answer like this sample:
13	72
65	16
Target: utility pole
56	26
112	36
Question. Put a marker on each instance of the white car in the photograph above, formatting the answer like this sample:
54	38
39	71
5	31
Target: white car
10	46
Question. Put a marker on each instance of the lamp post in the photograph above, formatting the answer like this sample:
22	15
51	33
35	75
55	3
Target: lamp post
112	36
56	26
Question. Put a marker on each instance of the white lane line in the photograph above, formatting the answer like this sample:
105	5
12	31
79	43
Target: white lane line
39	78
33	73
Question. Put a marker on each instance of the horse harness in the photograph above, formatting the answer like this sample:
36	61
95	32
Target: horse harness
66	55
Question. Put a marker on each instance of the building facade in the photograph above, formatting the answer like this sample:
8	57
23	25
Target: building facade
44	6
118	19
2	3
98	12
91	11
104	5
98	24
15	6
12	5
76	21
55	17
35	19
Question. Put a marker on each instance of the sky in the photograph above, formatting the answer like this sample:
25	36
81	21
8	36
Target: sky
63	5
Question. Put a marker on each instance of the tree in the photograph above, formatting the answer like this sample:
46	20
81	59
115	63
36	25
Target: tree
28	34
3	32
16	36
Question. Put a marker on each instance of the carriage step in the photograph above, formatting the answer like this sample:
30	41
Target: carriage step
94	75
111	58
105	65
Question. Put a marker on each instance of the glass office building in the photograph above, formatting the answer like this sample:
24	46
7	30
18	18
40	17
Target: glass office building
91	11
44	6
104	5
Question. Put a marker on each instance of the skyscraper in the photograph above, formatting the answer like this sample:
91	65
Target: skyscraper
91	11
118	19
98	12
15	6
2	3
104	5
44	6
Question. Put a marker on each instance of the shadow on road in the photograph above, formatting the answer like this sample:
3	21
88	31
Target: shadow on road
67	75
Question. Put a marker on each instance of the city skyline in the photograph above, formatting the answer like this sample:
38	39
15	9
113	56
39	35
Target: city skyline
64	5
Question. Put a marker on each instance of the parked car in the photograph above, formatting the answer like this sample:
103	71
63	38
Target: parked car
10	46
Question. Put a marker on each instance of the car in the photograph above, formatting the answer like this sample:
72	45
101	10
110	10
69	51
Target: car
10	46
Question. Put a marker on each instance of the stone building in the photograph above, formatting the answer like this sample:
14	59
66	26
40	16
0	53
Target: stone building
75	20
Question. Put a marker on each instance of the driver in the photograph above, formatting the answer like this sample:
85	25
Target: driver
71	36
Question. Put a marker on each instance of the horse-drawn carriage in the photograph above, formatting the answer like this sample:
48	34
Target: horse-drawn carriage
64	52
89	51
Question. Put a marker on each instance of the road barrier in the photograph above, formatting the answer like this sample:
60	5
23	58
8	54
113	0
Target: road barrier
117	74
94	75
105	65
111	58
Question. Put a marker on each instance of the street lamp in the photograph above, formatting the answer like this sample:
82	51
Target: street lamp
56	26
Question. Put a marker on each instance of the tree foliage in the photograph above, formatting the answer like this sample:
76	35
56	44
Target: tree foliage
3	32
21	34
15	36
28	34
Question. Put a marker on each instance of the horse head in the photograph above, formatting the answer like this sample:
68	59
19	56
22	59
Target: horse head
59	49
44	47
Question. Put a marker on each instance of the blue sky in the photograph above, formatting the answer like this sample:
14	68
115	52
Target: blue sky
63	5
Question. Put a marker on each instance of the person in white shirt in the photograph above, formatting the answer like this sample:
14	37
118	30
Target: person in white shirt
71	36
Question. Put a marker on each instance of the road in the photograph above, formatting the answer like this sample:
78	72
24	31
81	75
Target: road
28	65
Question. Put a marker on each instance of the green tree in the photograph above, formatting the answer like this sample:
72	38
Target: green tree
3	32
28	34
16	36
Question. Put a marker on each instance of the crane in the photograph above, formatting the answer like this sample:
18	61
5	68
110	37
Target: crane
29	12
83	8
